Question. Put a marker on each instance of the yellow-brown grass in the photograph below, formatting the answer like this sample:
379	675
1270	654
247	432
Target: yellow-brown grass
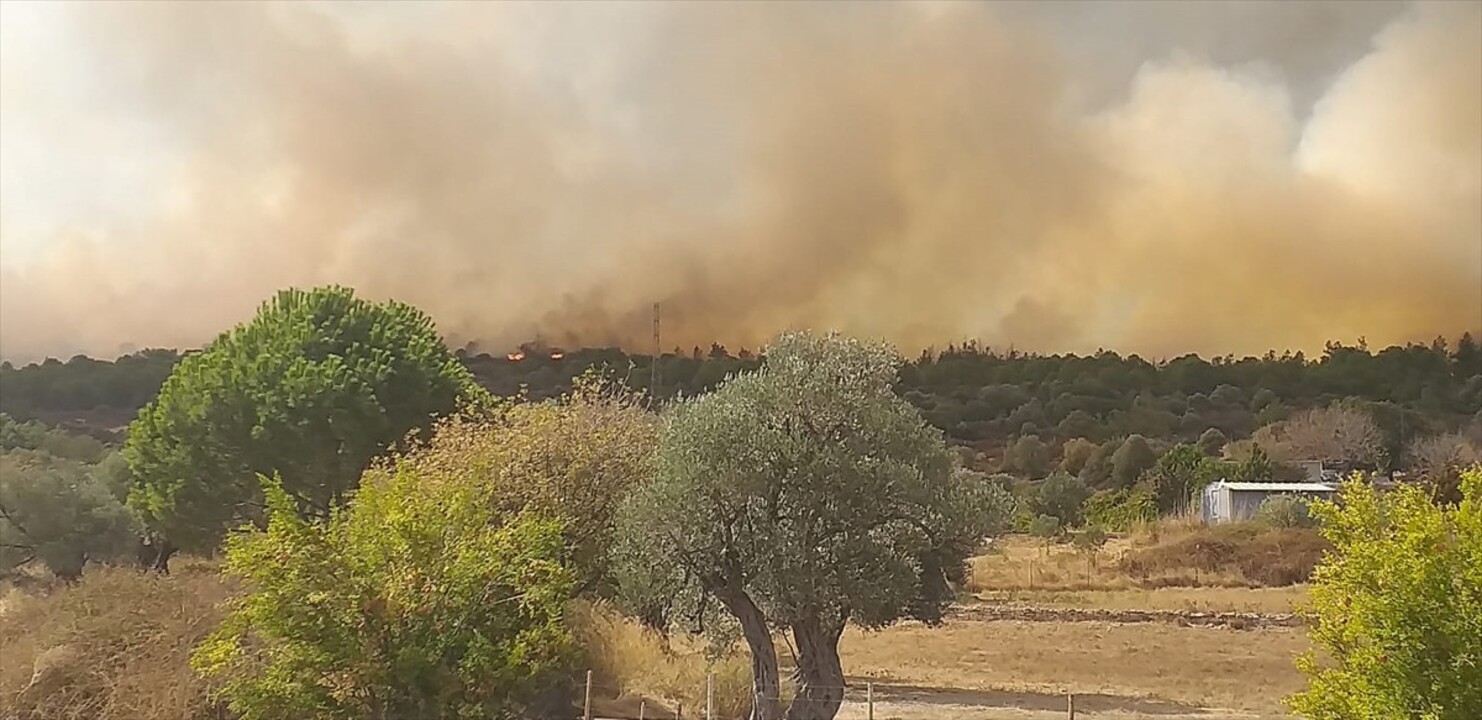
1173	553
113	646
1202	667
630	661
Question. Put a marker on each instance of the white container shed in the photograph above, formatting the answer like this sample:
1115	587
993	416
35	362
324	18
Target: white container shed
1223	502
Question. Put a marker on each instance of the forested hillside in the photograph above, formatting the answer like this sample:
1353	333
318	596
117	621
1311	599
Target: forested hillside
979	397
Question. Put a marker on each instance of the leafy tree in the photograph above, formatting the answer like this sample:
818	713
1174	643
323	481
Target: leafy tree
1467	358
1180	473
1397	607
797	499
1212	441
1256	467
60	443
1029	456
1060	496
1131	460
60	513
1079	424
1075	454
1098	469
310	390
418	601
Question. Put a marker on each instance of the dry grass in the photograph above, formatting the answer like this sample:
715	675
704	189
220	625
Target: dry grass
1184	599
1200	667
630	661
114	646
1171	553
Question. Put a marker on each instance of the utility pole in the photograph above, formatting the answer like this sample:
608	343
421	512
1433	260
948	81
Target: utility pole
653	379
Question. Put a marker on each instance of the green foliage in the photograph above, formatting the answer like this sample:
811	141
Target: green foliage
1397	607
1098	468
1131	460
1212	441
574	458
1060	496
60	443
801	497
1180	474
1029	456
1045	527
61	513
1075	454
1120	510
1089	540
418	600
1285	511
310	390
1255	467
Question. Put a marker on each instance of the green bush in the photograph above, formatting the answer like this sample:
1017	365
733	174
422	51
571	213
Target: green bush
415	602
1285	511
1397	607
1119	510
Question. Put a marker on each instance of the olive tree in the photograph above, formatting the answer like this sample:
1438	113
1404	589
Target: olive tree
797	499
310	390
60	513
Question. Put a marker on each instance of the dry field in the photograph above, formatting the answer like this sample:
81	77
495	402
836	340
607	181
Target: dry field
1016	669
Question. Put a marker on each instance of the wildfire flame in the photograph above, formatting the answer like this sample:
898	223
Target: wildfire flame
557	354
515	356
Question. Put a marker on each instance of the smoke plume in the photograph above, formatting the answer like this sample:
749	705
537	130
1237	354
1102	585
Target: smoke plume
919	172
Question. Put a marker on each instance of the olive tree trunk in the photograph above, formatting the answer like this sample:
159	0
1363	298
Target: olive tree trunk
819	673
766	686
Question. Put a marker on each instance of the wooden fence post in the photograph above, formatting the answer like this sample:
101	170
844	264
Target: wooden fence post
709	696
587	704
641	707
1070	705
870	700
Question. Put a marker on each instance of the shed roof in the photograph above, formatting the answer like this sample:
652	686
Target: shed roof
1277	487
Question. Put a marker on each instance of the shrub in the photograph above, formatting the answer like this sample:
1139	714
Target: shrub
1045	526
1120	510
1285	511
1398	607
417	601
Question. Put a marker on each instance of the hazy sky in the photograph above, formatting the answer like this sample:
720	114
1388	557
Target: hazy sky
1155	177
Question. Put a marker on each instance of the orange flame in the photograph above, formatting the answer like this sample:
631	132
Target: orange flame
515	356
557	355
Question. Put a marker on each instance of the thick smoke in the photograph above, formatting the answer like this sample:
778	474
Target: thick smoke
920	172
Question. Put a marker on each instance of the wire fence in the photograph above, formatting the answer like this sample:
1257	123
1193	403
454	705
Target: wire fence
856	701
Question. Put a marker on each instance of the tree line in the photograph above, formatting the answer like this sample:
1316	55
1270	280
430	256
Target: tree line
976	396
